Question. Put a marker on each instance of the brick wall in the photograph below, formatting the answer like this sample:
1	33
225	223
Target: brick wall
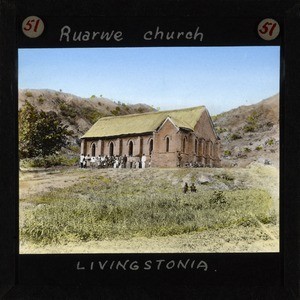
207	150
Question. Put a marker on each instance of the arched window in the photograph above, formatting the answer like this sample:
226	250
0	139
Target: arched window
196	147
130	150
184	145
93	150
150	147
167	144
111	149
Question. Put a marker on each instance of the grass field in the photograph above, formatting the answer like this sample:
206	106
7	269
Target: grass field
114	204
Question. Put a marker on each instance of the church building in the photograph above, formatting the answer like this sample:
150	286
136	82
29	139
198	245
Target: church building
167	138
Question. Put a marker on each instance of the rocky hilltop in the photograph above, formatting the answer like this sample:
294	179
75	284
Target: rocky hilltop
76	112
250	133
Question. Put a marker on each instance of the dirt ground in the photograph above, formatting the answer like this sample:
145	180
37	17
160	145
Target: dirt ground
264	238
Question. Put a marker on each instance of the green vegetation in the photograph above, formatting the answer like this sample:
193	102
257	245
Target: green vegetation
220	129
258	148
227	153
102	207
40	99
67	110
235	136
91	114
270	142
28	94
252	122
140	110
49	161
246	149
40	133
116	111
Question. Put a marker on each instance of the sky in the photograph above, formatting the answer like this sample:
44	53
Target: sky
221	78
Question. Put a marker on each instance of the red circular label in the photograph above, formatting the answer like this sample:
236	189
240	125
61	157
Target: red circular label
33	27
268	29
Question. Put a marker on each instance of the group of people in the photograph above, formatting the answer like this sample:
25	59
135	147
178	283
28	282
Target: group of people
194	165
192	188
118	161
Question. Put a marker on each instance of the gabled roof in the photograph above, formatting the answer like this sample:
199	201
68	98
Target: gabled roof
144	123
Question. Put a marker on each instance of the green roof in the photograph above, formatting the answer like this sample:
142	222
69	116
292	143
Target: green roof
144	123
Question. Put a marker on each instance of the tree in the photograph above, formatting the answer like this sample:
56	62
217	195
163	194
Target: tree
40	133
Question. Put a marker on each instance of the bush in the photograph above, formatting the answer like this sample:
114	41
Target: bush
252	122
28	94
227	153
246	149
91	114
41	100
48	161
258	148
67	110
249	128
220	130
235	136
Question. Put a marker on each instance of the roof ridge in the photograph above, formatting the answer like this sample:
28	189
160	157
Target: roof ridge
153	112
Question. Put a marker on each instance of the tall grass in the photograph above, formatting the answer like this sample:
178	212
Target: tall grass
102	208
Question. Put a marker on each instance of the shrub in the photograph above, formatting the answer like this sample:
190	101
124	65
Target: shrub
249	128
48	161
67	110
91	114
246	149
227	153
258	148
251	122
270	142
235	136
41	100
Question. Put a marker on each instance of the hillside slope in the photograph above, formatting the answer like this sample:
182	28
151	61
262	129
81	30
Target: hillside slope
76	112
250	133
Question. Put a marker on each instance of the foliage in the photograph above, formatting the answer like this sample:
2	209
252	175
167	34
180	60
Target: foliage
252	122
270	142
28	94
258	148
40	100
220	129
227	153
67	110
91	114
140	110
246	149
235	136
40	133
49	161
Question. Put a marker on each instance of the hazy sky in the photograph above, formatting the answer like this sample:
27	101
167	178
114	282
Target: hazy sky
220	78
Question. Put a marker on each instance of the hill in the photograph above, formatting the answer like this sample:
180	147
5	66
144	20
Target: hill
250	133
247	133
76	112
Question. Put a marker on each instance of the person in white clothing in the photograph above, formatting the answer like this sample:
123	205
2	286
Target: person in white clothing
81	160
144	158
